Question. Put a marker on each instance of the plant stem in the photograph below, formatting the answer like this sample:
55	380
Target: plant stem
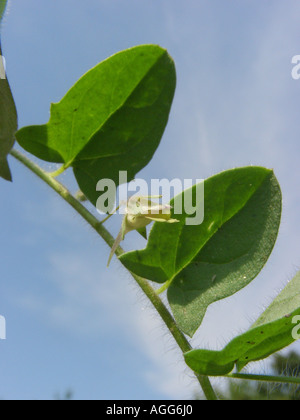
108	238
59	171
265	378
109	216
164	287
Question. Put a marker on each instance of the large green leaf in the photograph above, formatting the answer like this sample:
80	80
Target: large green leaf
271	332
208	262
112	119
8	115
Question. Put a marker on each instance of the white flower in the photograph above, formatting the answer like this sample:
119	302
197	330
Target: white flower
140	212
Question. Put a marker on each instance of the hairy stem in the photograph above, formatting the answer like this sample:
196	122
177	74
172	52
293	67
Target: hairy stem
108	238
265	378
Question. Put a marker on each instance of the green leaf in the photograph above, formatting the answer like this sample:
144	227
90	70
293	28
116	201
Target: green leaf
272	332
8	126
112	119
2	8
8	115
208	262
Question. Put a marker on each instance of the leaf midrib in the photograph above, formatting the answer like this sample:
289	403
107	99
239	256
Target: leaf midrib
112	113
199	250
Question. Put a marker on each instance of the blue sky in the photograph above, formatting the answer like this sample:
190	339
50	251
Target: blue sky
71	323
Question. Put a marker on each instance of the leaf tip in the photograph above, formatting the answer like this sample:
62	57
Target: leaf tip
5	172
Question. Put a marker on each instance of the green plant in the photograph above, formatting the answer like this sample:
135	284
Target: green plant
113	120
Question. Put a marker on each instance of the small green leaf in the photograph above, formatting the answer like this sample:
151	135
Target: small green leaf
111	120
272	332
8	115
208	262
